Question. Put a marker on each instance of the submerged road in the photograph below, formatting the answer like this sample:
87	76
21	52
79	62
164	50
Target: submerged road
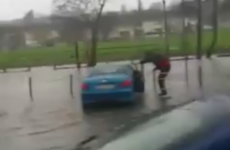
54	118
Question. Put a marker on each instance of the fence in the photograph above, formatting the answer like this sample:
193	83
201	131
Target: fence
57	56
6	70
45	83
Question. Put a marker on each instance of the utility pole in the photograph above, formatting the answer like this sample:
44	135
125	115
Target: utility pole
199	45
166	28
140	9
199	29
214	17
184	45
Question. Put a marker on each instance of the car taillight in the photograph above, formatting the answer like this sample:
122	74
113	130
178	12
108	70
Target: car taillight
84	86
126	83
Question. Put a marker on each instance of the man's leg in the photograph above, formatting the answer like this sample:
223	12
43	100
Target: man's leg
161	81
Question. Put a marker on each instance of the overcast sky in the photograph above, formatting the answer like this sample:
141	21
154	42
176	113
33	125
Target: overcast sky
12	9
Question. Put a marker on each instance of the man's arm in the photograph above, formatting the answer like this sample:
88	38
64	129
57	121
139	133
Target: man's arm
146	60
149	61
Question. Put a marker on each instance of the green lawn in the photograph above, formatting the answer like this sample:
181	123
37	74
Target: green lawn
107	51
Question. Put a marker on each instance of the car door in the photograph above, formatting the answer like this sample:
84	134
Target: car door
136	75
138	81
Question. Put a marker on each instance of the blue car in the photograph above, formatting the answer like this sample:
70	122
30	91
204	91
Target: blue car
111	83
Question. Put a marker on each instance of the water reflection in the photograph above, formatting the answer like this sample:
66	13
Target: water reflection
55	119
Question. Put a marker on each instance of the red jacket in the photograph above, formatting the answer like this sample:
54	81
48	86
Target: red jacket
159	61
164	63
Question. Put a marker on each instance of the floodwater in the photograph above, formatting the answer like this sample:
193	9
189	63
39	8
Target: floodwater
54	119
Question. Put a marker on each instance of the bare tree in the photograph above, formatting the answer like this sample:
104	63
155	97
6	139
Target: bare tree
189	8
225	6
107	24
123	9
88	11
156	6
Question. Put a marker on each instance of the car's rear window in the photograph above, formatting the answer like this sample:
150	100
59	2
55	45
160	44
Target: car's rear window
109	70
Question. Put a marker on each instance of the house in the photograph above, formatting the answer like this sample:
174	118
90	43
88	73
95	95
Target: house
132	31
30	30
150	27
114	25
40	28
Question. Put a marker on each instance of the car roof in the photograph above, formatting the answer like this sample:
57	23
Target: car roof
108	68
105	66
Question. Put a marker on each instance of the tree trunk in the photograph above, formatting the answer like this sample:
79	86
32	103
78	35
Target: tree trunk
93	54
77	58
94	39
87	52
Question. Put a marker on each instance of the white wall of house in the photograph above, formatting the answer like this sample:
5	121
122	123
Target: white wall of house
53	34
147	26
29	40
116	32
151	26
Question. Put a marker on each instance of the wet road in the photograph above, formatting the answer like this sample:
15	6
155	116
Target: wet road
54	118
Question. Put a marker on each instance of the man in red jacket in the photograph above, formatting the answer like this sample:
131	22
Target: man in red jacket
162	63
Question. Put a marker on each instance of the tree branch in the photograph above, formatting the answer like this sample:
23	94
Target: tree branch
89	12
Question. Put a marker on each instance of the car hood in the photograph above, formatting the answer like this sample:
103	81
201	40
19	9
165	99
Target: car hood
113	77
156	134
185	123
